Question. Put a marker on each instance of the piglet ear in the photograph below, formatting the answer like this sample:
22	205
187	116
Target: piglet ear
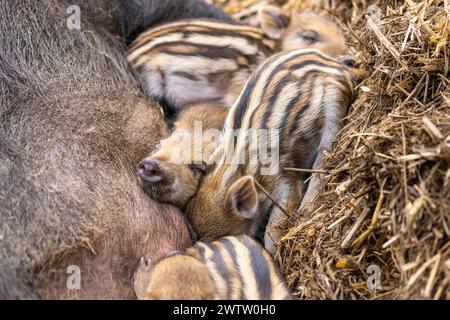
347	60
243	198
273	21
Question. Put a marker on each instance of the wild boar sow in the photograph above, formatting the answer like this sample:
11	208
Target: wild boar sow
73	127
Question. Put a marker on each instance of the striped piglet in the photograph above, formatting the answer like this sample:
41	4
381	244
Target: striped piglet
231	268
192	61
172	173
288	113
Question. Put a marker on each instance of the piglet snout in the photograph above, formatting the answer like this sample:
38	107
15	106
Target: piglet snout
150	171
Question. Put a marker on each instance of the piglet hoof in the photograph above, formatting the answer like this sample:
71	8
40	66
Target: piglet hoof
141	278
269	243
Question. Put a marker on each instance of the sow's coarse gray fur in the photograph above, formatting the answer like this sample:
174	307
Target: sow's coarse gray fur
73	125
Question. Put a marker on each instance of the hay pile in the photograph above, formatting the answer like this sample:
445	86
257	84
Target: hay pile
386	202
